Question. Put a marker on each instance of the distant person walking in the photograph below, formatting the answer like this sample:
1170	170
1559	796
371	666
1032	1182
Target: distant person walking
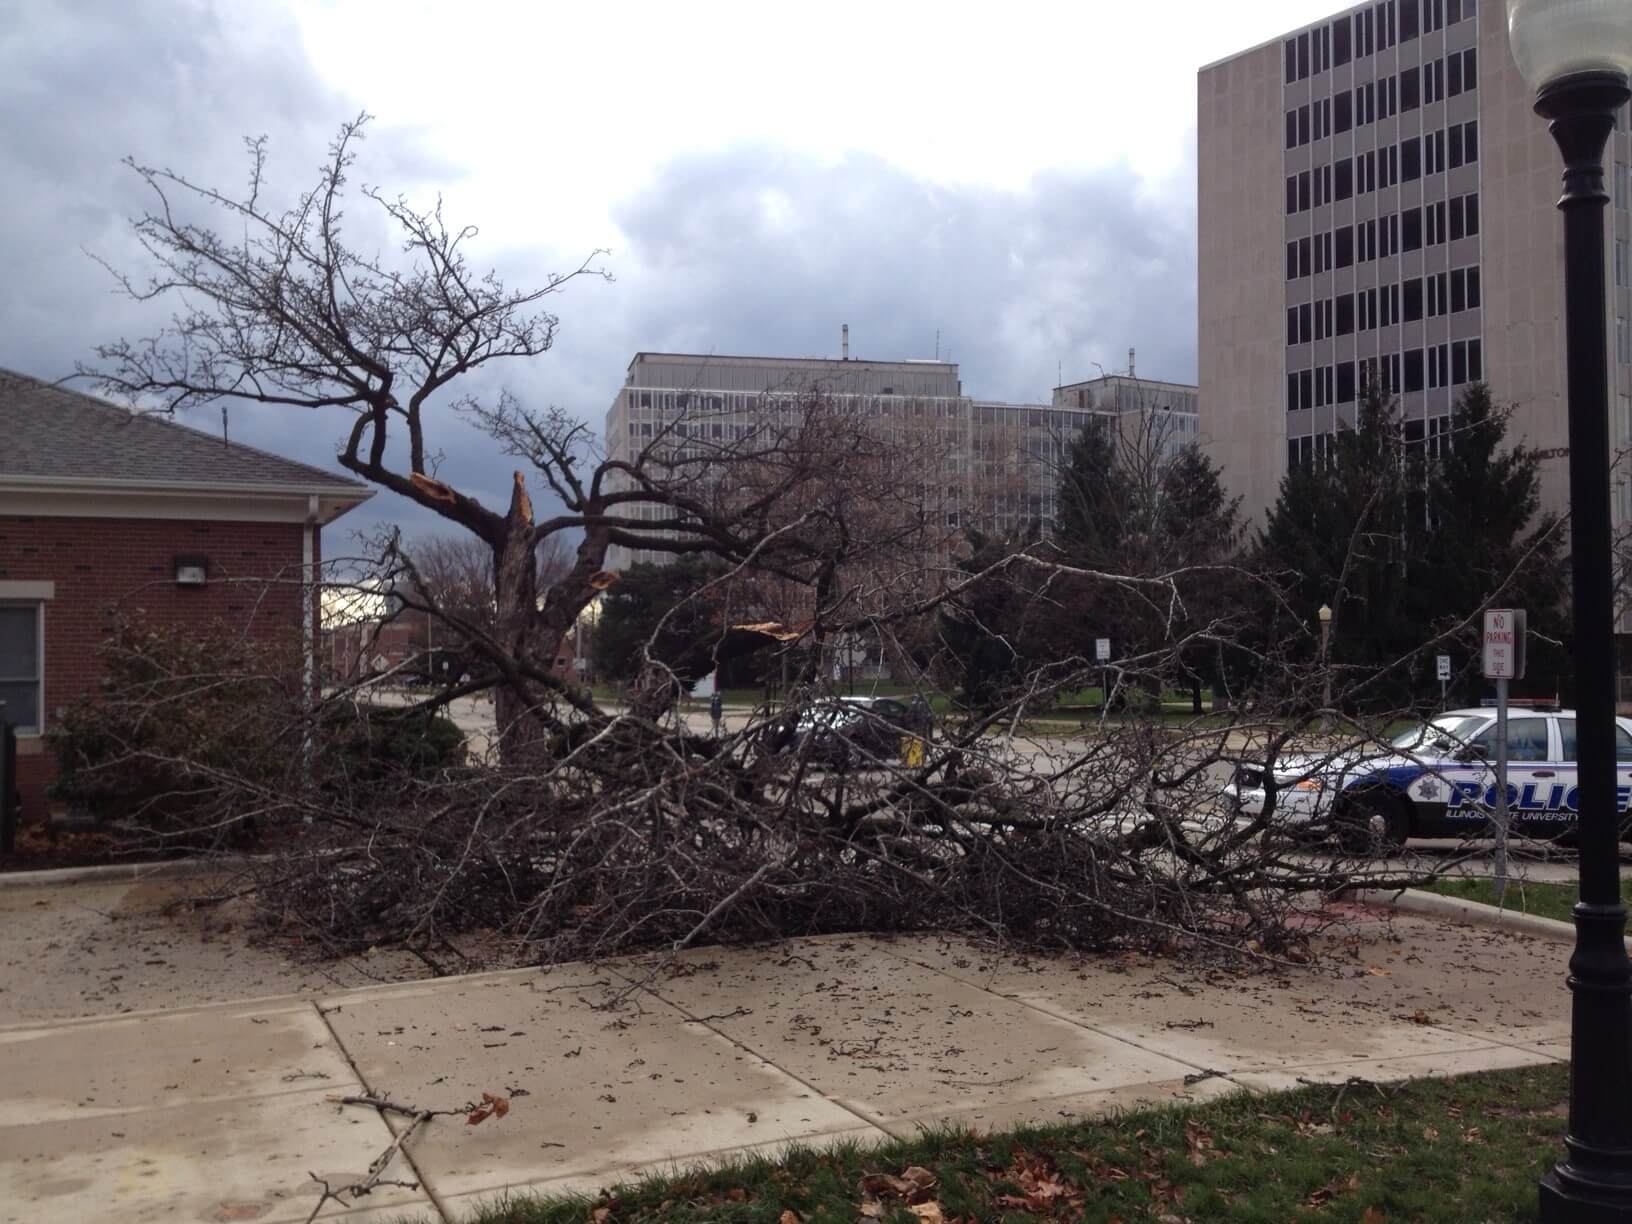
716	711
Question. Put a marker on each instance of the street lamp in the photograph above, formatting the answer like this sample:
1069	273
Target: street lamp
1576	55
1325	615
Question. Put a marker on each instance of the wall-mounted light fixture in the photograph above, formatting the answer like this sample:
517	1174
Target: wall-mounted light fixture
192	571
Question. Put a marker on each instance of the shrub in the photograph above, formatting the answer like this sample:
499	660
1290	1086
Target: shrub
183	716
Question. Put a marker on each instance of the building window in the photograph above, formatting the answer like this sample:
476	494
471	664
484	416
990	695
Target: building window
1410	90
1464	216
1340	42
1433	216
1411	229
1291	60
1345	315
1408	20
1433	151
1345	247
1623	341
1344	176
1433	81
1437	284
1291	264
1413	366
1303	56
22	666
1620	262
1343	111
1412	294
1303	191
1303	125
1410	159
1462	71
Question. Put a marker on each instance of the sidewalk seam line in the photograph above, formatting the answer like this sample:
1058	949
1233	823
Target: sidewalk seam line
798	1079
424	1183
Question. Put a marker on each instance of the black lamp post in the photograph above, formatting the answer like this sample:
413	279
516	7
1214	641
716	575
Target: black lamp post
1576	54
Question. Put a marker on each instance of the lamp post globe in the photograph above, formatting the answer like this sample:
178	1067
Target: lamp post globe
1577	56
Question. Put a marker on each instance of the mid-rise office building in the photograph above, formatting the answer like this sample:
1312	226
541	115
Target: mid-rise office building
993	465
1376	202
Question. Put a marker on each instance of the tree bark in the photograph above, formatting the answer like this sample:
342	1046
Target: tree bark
515	593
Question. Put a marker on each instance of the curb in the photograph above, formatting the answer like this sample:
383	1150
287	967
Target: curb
1475	913
170	869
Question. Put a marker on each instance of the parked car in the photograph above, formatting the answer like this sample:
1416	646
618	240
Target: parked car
844	731
1436	779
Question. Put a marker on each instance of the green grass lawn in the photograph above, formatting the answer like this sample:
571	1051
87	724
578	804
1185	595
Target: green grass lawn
1543	900
1450	1150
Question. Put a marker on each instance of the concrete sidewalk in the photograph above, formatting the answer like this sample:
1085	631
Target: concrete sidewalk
219	1113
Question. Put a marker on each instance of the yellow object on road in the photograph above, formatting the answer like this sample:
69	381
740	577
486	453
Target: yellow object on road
912	751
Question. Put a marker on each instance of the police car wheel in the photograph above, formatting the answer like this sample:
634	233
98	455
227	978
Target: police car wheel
1372	825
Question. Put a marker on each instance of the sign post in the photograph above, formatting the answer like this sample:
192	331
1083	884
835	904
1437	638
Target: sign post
1444	668
1503	660
1102	656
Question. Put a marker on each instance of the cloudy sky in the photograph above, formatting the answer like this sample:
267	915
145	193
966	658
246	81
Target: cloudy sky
1019	179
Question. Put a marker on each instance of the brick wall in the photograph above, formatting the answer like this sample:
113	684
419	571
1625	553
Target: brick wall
100	563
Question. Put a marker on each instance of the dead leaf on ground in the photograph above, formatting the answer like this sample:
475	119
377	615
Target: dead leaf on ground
929	1213
1372	1215
1429	1132
788	1217
491	1106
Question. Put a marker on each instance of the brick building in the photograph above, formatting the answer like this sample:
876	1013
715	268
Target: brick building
102	509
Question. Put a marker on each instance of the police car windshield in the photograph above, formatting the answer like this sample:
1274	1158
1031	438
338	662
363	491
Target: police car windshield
1450	731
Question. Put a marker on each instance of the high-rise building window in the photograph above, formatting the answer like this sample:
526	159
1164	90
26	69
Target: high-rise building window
1345	314
1343	176
1411	292
1305	263
1460	72
1408	20
1623	341
1345	382
1413	364
1464	216
1621	279
1410	89
1292	260
1303	191
1436	284
1340	42
1303	56
1410	159
1291	60
1433	153
1433	221
1433	82
1305	323
1411	229
1343	240
1343	111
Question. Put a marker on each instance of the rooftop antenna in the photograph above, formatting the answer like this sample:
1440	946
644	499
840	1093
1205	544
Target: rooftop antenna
1130	361
937	344
224	443
844	338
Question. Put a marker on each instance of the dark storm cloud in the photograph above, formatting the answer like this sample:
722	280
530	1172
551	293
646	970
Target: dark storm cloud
750	250
762	252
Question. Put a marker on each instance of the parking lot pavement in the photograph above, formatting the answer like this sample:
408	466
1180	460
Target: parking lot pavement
220	1112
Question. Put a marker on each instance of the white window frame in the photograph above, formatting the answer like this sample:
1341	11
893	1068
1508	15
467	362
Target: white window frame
37	727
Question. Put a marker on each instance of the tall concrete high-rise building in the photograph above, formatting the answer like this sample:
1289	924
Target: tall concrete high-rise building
993	465
1376	201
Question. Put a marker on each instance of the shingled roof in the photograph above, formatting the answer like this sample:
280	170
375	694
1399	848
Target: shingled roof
48	432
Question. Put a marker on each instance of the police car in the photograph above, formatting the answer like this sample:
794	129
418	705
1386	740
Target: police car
1437	779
